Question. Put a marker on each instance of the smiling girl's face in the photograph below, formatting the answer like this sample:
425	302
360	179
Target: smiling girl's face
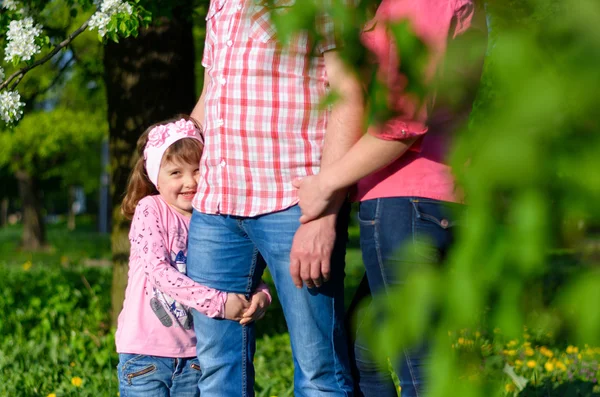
177	183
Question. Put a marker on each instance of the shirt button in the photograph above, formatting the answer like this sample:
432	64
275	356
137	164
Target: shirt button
229	43
222	81
222	163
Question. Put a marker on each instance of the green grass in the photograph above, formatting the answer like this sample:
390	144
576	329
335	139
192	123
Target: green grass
55	323
63	246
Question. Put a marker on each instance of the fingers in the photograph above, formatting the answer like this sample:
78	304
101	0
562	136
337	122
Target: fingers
295	271
297	182
315	274
306	274
326	269
256	311
251	310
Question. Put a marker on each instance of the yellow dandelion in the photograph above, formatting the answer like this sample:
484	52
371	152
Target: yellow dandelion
51	395
526	344
579	356
72	364
529	351
461	341
76	381
477	334
64	260
531	363
549	366
27	265
518	363
510	352
546	352
512	343
561	366
572	350
510	387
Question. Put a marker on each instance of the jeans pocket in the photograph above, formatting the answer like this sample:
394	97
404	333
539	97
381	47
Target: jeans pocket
136	367
368	212
434	224
436	212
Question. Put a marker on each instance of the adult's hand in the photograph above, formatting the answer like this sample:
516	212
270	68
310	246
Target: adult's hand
314	198
310	256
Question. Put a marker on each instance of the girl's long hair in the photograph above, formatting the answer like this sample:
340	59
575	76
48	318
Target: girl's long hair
185	150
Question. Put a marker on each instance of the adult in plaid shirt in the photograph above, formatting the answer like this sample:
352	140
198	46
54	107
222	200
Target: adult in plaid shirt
264	128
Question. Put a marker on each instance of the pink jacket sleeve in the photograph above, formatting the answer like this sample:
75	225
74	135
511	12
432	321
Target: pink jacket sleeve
151	238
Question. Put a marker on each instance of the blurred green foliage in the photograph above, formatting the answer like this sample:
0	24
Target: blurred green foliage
62	143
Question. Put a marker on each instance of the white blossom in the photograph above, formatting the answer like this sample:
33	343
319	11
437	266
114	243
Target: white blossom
11	107
105	12
20	39
10	5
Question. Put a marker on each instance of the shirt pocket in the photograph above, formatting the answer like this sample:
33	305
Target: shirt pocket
261	27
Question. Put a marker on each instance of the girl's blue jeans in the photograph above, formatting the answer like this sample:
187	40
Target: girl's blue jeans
152	376
389	230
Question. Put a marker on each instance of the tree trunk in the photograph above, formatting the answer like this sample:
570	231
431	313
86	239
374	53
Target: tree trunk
34	231
4	212
148	79
71	210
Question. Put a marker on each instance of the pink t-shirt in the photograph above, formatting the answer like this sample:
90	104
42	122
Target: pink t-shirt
422	171
156	318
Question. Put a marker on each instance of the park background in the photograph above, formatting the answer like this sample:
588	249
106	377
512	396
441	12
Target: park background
516	303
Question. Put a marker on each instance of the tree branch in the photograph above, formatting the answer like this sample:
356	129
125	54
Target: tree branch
21	72
56	79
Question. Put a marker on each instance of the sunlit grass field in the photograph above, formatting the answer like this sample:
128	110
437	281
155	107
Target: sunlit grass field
56	338
55	329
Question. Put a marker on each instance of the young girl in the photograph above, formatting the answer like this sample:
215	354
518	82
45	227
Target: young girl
155	338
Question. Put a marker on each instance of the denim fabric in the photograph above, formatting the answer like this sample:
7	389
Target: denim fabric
152	376
222	254
390	228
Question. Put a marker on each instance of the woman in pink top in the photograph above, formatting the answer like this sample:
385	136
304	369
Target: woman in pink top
406	189
155	338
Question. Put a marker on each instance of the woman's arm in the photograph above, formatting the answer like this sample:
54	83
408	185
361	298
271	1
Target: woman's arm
368	155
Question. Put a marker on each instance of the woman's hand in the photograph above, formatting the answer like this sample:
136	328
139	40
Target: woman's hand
258	307
314	199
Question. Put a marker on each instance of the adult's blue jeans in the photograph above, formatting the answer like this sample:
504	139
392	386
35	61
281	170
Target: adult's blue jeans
390	231
152	376
223	253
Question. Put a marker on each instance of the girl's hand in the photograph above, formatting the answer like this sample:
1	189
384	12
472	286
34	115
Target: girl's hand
258	307
313	198
235	306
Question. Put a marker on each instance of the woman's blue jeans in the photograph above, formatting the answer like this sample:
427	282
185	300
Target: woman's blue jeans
389	229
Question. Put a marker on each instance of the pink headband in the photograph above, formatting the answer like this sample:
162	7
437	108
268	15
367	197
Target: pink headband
160	138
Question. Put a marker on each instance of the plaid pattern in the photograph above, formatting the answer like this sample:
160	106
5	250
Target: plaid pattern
264	125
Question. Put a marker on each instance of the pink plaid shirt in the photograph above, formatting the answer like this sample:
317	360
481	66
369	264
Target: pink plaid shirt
263	122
